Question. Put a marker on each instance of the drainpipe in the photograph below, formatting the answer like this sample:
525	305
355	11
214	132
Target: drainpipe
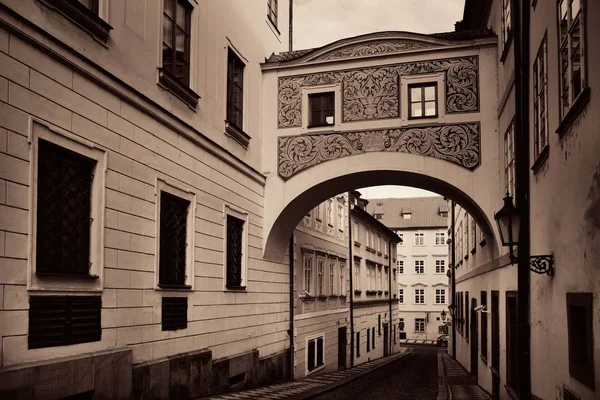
453	283
291	262
351	272
390	323
520	23
291	24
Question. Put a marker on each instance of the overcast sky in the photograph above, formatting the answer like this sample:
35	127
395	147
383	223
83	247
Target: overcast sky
319	22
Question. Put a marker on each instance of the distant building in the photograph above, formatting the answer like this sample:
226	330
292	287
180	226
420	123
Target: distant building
422	284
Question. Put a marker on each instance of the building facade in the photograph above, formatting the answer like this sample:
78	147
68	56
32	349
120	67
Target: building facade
559	47
422	262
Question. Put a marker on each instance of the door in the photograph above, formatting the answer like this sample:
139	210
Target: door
386	341
342	344
474	338
495	345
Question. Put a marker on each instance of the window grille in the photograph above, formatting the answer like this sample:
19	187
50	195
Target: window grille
419	267
174	313
440	238
63	320
173	240
235	230
308	266
419	239
63	211
509	161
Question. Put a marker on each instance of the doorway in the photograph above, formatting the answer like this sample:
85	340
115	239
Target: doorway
386	341
474	338
342	344
495	345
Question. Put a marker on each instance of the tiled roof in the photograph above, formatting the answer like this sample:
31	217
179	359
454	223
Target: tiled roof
425	212
289	55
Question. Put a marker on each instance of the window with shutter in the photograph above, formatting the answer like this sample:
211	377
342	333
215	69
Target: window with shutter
64	320
174	313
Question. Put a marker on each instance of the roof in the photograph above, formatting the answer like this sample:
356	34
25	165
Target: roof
380	43
357	211
425	212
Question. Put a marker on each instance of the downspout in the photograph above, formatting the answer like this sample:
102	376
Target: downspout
453	283
291	262
351	272
390	294
520	22
291	24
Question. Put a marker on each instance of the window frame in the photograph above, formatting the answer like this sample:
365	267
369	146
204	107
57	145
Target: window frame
333	266
420	242
440	263
509	161
307	91
419	300
273	10
419	267
356	282
320	284
420	328
423	101
318	366
234	129
506	28
441	235
401	295
94	21
540	97
244	216
308	256
440	294
164	184
67	140
323	110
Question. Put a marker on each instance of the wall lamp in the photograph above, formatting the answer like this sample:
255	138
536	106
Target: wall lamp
508	221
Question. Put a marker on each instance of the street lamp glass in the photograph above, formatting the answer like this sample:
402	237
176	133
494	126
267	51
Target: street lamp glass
508	222
443	315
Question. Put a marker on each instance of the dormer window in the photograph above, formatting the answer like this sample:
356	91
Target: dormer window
378	216
406	215
422	99
322	109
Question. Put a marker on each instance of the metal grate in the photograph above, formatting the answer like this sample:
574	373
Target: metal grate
235	229
64	320
173	235
174	313
568	395
63	211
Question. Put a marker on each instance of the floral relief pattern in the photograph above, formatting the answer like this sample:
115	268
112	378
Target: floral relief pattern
370	94
456	143
369	49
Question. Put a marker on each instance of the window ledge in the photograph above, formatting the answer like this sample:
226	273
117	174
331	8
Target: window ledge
371	292
237	134
66	275
483	242
484	359
576	108
173	85
506	49
378	253
166	286
466	257
321	297
386	256
357	291
83	17
474	250
235	288
541	159
356	244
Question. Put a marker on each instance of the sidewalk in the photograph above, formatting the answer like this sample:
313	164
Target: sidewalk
457	384
307	388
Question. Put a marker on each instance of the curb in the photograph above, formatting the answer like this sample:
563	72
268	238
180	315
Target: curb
443	389
311	394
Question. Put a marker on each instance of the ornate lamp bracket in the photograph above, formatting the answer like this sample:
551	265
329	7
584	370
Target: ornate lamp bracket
542	264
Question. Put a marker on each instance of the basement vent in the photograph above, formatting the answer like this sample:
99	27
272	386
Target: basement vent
174	313
63	320
568	395
237	379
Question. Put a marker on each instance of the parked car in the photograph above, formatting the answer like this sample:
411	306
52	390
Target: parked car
442	340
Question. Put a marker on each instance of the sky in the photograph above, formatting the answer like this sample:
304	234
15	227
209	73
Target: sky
319	22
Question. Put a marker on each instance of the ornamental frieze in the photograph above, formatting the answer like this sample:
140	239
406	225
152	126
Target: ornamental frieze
373	93
374	48
455	143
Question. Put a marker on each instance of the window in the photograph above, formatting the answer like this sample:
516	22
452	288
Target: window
440	296
315	353
581	339
332	268
467	314
378	244
378	277
272	11
401	236
459	240
342	277
466	237
419	267
440	266
235	91
330	212
340	218
357	344
400	265
368	340
173	243
379	325
91	5
419	296
320	277
318	213
509	161
419	239
63	320
422	99
378	215
572	52
401	296
406	216
356	282
473	234
484	328
236	248
540	100
355	235
64	211
401	324
86	14
440	238
174	313
506	22
322	109
419	324
308	272
373	338
385	247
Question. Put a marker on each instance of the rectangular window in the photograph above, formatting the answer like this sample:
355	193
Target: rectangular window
422	99
400	265
571	52
378	243
540	100
235	238
322	109
458	245
64	211
473	234
272	11
401	236
512	334
419	239
174	313
356	282
355	235
484	327
315	353
342	279
401	296
63	320
440	296
340	218
332	268
581	339
440	266
357	344
373	338
330	212
509	161
419	267
440	238
466	237
467	315
419	324
385	247
318	216
419	296
308	272
176	40
173	240
320	277
379	325
506	22
368	340
235	90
